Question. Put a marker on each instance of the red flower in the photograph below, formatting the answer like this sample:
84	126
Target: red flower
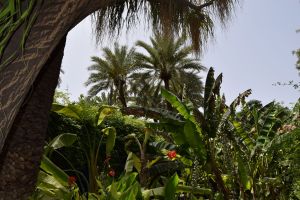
71	180
111	173
171	155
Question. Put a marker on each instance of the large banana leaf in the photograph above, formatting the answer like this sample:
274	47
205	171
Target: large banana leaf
111	133
71	111
48	166
170	188
192	130
103	112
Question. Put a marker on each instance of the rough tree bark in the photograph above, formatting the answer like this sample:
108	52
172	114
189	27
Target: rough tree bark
22	138
55	19
20	158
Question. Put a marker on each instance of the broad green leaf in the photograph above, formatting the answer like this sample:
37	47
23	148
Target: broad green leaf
175	102
131	192
129	163
137	162
170	188
52	188
103	112
63	140
132	160
243	136
48	166
69	111
111	137
113	192
193	138
243	174
210	80
181	108
159	191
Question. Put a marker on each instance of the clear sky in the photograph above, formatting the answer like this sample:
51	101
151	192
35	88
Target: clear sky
254	51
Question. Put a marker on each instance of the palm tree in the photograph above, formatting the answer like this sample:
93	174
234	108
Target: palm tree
111	72
168	62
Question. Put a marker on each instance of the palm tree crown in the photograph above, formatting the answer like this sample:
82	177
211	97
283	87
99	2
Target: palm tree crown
168	61
111	71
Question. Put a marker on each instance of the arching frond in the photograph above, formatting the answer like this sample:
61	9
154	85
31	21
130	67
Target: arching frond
192	17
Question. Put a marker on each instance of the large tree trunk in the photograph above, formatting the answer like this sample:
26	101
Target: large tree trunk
25	127
20	158
54	19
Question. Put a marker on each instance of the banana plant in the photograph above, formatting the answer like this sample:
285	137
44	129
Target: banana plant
53	182
91	135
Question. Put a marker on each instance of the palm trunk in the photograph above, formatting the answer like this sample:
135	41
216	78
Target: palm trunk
122	99
20	160
167	87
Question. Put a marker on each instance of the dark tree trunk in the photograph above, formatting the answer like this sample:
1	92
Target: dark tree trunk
20	159
167	87
53	21
122	93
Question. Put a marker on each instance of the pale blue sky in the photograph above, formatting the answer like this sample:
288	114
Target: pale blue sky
254	51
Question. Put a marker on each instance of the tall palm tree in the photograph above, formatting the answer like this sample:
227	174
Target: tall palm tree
168	61
111	72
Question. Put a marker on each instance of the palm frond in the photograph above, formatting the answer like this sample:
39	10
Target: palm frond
191	17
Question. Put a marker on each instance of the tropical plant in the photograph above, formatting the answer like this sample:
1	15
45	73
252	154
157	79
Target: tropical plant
53	182
169	63
234	153
111	72
90	136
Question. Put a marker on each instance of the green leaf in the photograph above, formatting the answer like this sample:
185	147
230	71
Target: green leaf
170	188
243	174
129	163
186	161
180	107
193	190
48	166
113	192
132	161
131	192
103	112
63	140
210	80
193	138
111	138
152	162
159	191
175	102
69	111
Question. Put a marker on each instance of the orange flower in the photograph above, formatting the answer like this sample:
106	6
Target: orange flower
171	154
111	173
71	180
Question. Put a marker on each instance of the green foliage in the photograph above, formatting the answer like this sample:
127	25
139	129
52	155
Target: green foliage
110	73
170	188
168	61
243	150
194	18
13	14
